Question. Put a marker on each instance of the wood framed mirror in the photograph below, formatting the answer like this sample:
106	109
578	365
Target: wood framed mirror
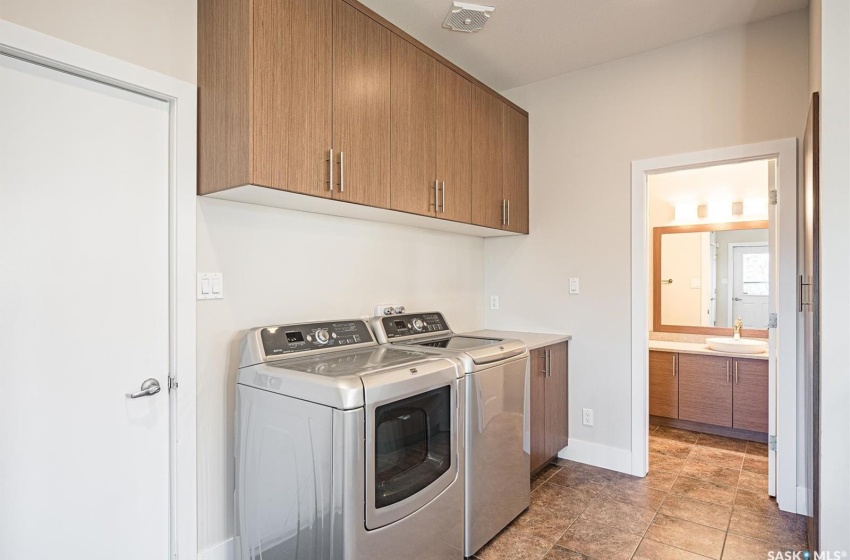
707	275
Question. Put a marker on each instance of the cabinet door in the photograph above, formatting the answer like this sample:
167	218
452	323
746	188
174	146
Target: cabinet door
412	128
454	144
515	169
361	101
705	389
556	400
750	395
486	162
538	409
663	385
292	87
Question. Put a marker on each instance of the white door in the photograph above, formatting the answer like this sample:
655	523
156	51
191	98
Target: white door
751	285
84	318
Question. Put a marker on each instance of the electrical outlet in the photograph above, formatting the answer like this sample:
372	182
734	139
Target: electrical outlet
494	302
587	416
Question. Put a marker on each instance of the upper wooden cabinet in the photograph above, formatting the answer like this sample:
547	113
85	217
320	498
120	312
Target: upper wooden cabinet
454	145
361	102
291	107
488	202
515	169
412	129
328	99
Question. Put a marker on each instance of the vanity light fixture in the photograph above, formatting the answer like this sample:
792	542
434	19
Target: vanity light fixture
685	212
755	207
719	209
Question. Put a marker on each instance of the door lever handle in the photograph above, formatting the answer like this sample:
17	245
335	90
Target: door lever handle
149	387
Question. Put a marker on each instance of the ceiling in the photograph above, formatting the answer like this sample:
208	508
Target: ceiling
733	182
527	41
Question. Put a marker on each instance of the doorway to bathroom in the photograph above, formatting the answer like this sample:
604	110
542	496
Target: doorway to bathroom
713	271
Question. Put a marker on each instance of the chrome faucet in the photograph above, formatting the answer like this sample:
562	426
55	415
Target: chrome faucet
739	325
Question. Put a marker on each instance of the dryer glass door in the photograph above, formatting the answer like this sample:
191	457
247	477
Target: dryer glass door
411	450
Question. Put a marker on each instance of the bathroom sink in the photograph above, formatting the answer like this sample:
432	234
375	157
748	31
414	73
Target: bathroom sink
737	346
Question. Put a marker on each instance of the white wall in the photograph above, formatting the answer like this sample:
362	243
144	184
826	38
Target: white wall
281	267
834	84
738	86
157	34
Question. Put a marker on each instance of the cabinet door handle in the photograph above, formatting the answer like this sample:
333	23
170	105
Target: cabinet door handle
341	172
736	371
436	195
727	371
674	365
548	363
331	169
508	222
443	202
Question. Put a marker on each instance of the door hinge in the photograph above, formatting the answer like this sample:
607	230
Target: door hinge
771	443
772	321
172	383
773	196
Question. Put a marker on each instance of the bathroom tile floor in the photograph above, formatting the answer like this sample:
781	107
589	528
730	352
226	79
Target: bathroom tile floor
705	497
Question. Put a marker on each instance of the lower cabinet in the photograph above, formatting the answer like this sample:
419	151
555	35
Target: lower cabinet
715	390
663	385
549	392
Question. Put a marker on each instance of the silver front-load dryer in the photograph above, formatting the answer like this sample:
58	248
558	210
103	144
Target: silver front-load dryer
346	449
498	485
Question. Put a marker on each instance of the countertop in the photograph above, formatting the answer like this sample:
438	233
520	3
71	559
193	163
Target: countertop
532	340
696	348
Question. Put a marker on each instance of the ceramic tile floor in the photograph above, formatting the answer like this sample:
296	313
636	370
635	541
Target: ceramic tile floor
705	497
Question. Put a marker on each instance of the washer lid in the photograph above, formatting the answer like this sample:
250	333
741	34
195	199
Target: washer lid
480	350
335	379
355	363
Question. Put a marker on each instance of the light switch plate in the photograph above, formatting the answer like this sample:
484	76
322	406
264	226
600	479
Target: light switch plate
210	285
573	286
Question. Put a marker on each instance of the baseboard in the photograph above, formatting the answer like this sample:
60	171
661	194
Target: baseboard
604	456
221	551
802	500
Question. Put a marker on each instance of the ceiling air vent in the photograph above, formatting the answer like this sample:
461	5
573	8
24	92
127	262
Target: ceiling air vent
467	17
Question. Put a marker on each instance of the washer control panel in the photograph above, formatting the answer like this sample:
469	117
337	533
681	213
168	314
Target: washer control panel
397	326
288	339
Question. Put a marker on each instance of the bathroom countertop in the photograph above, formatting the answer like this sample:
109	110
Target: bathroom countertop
699	348
532	340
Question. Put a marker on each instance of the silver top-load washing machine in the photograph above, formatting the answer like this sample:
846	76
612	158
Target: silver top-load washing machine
346	449
497	421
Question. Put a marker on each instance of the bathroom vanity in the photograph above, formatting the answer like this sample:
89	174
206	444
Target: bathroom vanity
695	388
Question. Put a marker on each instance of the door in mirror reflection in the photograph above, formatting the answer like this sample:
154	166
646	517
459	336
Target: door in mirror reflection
750	281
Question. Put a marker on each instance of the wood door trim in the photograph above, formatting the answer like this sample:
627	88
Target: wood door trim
657	232
409	38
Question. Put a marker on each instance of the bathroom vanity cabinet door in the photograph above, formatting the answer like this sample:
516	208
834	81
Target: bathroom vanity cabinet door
663	385
750	395
705	389
538	409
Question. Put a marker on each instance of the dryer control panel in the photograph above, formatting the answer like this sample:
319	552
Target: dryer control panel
289	339
397	326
